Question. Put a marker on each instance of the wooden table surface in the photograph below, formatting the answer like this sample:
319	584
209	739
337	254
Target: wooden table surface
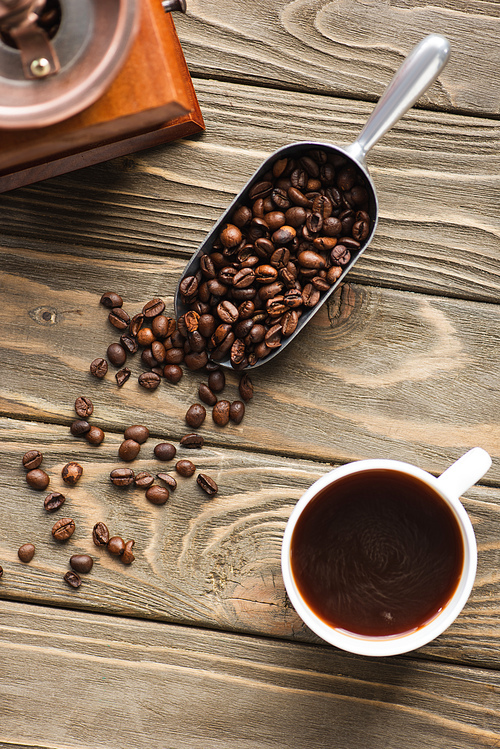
195	644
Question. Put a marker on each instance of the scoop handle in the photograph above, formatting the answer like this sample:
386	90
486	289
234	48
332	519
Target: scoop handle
412	79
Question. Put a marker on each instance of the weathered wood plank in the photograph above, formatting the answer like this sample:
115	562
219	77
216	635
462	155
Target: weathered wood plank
346	48
378	372
437	178
199	561
79	680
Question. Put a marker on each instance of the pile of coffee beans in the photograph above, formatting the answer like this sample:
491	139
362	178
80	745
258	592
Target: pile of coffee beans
279	253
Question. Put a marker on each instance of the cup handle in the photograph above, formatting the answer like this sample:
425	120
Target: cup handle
465	472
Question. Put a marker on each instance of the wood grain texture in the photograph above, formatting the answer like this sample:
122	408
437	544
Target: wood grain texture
378	372
346	48
199	561
113	682
436	175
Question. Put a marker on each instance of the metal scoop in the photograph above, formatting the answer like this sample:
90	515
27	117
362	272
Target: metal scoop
411	80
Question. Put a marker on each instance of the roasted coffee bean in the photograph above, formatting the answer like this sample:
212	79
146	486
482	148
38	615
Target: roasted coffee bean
188	287
153	308
95	435
32	459
333	274
163	327
127	557
172	373
26	552
129	450
135	324
73	579
143	479
129	343
237	411
137	432
245	388
54	501
116	545
122	376
111	299
185	468
116	354
1	571
260	190
174	356
149	380
195	361
99	368
217	381
63	529
207	484
230	235
289	322
192	441
145	337
119	318
165	451
320	283
206	395
157	495
100	534
158	351
272	339
37	479
340	255
81	563
168	479
84	407
220	413
71	473
310	295
122	476
148	359
79	428
195	415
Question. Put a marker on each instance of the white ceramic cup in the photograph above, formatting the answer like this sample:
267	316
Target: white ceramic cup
459	477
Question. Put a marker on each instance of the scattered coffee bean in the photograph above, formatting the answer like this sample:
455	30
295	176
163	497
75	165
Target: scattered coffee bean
37	479
122	476
79	428
63	529
207	484
143	479
195	415
119	318
185	468
129	450
217	381
157	495
168	479
127	557
164	451
54	501
237	411
81	563
122	376
206	395
116	354
220	413
111	299
71	473
100	534
149	380
172	373
73	580
129	342
26	552
137	432
84	407
145	337
32	459
192	441
116	545
153	308
95	435
245	388
99	368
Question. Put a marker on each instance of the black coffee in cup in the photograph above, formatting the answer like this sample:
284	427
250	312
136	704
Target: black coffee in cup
377	553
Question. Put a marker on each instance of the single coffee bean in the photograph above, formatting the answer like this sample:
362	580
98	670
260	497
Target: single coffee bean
32	459
129	343
206	395
172	373
73	580
129	450
153	308
207	484
100	534
149	380
127	557
37	479
111	299
95	435
237	411
145	337
135	324
116	354
157	495
63	529
71	473
168	479
122	376
81	563
26	552
245	388
143	479
137	432
79	428
185	468
220	413
192	441
148	359
54	501
163	327
217	381
195	415
122	476
164	451
99	368
119	318
116	545
84	407
196	360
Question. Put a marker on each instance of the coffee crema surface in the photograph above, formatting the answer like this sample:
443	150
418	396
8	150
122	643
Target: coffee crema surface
377	553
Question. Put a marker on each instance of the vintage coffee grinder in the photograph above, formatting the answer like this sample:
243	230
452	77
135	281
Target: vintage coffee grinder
83	81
